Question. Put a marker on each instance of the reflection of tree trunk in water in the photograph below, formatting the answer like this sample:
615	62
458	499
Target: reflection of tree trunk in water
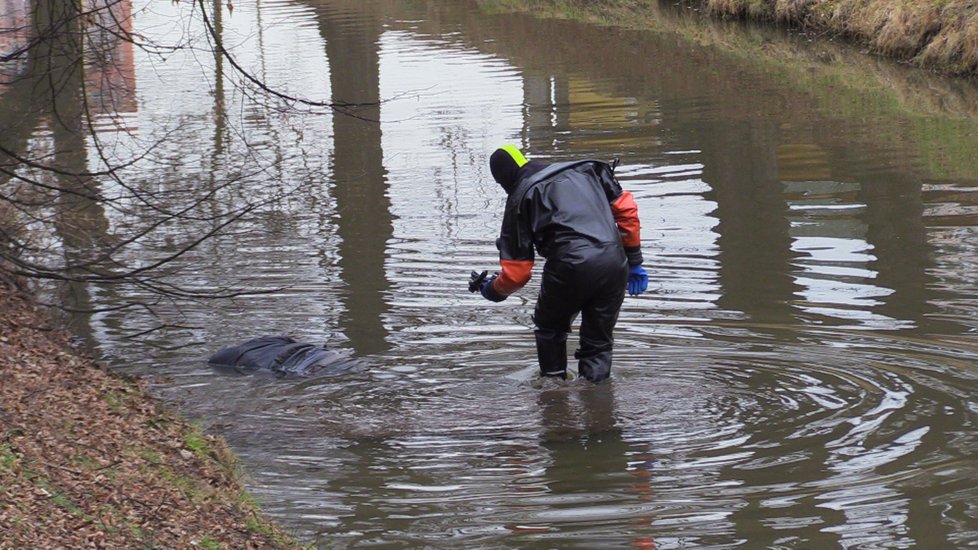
740	167
20	103
79	221
218	20
219	121
17	118
360	186
896	230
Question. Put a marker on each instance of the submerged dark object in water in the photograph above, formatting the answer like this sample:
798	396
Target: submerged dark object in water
282	355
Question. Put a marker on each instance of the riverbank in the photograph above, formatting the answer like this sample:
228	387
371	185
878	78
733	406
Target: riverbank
87	459
938	35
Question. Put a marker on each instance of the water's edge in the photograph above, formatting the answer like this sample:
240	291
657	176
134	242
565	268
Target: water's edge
933	35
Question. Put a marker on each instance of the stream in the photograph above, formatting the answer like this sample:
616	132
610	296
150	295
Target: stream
800	374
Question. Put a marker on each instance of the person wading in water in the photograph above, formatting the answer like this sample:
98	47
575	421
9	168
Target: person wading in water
576	215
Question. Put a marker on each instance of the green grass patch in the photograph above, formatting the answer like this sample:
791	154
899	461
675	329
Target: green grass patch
8	458
255	525
115	402
86	463
11	462
195	441
149	455
60	499
66	503
247	501
194	490
209	544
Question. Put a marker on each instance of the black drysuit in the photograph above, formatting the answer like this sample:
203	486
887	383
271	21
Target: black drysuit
576	215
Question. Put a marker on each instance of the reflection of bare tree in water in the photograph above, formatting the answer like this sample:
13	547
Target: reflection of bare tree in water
75	207
79	218
364	225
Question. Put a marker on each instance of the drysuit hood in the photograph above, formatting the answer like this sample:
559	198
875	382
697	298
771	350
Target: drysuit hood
505	163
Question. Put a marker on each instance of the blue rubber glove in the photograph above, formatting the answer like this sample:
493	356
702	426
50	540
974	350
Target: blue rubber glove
488	292
638	280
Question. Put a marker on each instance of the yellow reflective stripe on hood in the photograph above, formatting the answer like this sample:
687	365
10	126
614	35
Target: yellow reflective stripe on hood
516	154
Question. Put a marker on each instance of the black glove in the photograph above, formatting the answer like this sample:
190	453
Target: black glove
476	280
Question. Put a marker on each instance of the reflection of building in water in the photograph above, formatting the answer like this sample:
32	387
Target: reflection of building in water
573	113
14	19
110	75
593	108
14	34
803	162
860	241
833	257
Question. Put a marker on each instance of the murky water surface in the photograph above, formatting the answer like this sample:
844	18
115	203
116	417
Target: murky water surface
801	373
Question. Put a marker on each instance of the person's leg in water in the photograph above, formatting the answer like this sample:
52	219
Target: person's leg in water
598	319
551	352
556	307
599	314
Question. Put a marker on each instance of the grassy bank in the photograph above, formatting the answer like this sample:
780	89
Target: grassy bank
87	459
936	34
939	35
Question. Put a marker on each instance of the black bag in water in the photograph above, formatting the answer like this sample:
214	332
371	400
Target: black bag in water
282	355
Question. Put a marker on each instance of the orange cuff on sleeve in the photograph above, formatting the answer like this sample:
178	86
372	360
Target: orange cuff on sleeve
515	274
626	216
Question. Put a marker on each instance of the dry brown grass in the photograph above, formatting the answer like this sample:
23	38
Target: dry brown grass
956	43
792	10
754	9
938	34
